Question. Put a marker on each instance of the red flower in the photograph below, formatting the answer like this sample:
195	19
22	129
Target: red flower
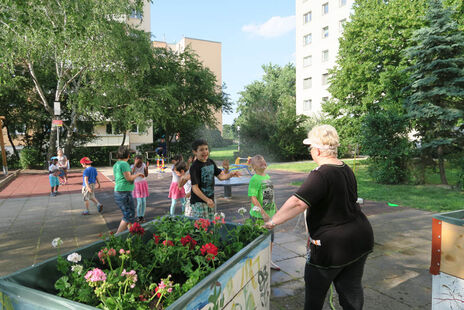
136	229
142	298
219	219
203	223
157	238
168	243
158	294
188	240
210	250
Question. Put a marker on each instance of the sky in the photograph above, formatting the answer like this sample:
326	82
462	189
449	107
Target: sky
252	33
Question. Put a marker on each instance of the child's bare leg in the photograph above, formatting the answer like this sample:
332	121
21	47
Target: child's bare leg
122	226
87	205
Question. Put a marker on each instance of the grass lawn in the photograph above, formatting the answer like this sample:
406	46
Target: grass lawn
430	197
221	153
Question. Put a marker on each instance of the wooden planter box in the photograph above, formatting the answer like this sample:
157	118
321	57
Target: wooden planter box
447	263
243	281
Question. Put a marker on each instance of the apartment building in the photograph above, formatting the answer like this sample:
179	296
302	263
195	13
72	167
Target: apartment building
319	24
209	53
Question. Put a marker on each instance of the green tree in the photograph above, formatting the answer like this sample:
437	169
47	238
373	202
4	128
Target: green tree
436	93
73	36
182	95
268	121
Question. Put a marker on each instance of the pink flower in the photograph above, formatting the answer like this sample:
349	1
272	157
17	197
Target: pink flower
95	275
121	251
131	275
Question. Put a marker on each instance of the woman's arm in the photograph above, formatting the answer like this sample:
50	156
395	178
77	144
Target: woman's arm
291	208
131	177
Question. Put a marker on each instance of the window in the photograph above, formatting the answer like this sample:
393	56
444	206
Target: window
325	32
307	17
307	105
136	14
109	129
325	8
325	79
307	39
307	61
307	83
135	128
325	55
341	25
342	2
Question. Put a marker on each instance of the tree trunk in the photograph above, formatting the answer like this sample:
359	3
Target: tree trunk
52	142
123	138
441	166
15	151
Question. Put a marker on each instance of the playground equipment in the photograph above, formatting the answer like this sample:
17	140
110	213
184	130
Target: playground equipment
242	163
160	164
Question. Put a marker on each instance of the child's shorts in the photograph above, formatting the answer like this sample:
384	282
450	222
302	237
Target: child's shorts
54	181
125	202
201	210
88	195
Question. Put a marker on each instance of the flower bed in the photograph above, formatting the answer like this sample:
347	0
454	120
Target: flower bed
157	266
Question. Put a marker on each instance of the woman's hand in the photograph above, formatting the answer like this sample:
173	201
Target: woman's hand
269	224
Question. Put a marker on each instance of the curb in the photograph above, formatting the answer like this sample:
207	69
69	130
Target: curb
9	178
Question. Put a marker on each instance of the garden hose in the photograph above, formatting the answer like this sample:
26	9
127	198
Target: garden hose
331	297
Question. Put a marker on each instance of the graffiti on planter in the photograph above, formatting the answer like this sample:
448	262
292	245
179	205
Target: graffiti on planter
264	291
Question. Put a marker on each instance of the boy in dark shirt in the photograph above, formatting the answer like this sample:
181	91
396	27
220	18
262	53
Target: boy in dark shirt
202	173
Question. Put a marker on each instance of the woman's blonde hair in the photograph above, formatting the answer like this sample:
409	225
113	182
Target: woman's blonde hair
325	138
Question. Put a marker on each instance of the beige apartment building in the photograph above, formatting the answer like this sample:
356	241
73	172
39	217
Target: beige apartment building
209	53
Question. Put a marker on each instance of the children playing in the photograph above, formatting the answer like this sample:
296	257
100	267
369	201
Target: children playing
90	177
140	192
175	193
63	165
202	173
261	192
53	172
181	170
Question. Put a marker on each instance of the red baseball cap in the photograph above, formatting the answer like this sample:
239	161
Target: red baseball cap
85	160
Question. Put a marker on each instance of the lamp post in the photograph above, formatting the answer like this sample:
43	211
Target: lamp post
238	132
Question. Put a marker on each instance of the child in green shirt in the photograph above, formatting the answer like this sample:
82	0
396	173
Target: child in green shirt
261	192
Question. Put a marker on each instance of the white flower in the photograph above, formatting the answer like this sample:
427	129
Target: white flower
77	268
242	211
221	215
74	258
57	242
256	208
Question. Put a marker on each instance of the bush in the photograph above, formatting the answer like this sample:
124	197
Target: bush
384	135
98	154
31	158
12	161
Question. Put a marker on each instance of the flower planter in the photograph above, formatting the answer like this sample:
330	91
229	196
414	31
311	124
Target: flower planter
447	267
243	281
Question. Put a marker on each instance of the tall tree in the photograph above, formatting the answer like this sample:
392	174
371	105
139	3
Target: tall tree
75	36
268	121
436	99
182	94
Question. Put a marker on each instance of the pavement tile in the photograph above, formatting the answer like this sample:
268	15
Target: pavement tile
289	288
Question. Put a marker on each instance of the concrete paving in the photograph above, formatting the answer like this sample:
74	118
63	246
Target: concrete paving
396	274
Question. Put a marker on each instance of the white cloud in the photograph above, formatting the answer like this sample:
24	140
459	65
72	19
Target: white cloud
274	27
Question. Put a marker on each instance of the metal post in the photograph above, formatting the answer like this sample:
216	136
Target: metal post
2	144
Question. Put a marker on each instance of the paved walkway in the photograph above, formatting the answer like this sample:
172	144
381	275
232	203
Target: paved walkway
396	275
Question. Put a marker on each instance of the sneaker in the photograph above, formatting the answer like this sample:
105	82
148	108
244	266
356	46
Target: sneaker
100	208
274	266
52	194
86	212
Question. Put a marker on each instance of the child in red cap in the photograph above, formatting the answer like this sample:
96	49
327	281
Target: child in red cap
90	177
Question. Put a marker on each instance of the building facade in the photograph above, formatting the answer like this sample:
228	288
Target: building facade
209	53
319	25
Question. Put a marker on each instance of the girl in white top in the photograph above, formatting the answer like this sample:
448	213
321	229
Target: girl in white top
176	193
63	165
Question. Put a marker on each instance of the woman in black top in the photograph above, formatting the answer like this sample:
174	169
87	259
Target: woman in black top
340	236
